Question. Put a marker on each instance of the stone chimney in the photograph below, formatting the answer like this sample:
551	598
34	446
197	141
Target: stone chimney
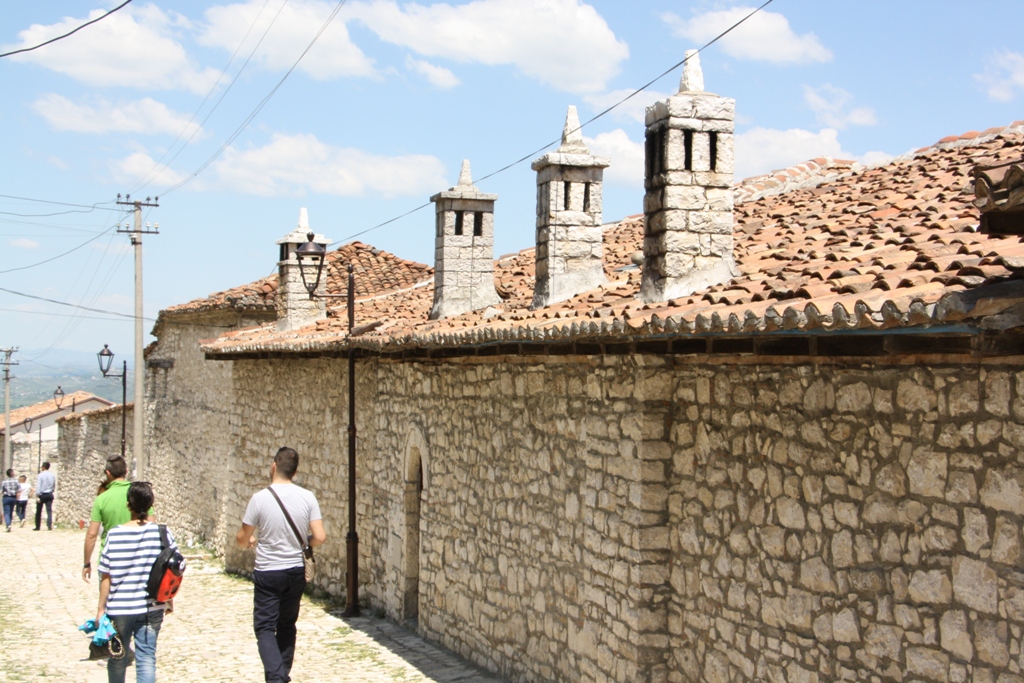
688	182
569	240
294	307
463	249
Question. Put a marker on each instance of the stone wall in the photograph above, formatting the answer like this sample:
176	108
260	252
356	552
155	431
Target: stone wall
846	524
188	425
569	518
86	440
25	457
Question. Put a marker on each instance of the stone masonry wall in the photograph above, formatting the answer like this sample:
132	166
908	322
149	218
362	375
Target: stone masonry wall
188	427
86	440
846	524
647	518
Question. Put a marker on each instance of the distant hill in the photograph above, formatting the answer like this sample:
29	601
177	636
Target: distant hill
35	381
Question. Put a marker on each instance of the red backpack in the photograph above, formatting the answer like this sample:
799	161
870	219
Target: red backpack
165	576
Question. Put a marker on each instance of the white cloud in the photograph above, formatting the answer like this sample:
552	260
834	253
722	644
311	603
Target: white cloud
832	106
436	75
139	165
23	243
102	116
563	43
58	162
291	165
632	109
333	55
1005	77
627	157
760	150
766	36
133	48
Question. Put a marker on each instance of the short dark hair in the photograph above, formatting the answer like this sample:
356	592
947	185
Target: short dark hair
116	466
140	498
287	461
46	465
10	472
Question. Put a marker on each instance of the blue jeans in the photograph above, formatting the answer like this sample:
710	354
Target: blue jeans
142	629
276	598
9	503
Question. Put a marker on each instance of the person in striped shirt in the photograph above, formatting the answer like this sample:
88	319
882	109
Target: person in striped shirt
124	568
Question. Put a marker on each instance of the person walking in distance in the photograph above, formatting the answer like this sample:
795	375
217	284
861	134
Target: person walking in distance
24	489
46	484
124	567
109	509
279	578
9	488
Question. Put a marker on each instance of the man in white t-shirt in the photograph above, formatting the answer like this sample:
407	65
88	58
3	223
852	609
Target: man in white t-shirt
24	488
279	578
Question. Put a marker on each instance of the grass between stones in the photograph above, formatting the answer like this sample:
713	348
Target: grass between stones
355	651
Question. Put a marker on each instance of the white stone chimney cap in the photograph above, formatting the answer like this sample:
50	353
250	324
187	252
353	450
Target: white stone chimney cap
299	234
693	77
572	135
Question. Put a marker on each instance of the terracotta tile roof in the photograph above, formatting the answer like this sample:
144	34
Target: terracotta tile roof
49	407
875	248
376	271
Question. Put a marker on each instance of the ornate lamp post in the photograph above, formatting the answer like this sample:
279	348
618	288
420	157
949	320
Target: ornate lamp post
311	257
105	358
58	397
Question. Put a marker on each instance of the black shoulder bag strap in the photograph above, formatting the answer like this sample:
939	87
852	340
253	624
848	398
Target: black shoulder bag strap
307	552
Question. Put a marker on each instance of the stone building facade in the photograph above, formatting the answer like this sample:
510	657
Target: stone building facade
645	517
810	471
86	440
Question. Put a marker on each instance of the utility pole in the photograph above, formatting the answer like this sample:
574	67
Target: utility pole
7	363
139	409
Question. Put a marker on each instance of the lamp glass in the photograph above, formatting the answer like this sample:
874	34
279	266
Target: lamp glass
105	357
58	397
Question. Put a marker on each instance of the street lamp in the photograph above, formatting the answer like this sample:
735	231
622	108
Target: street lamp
311	257
58	396
105	358
27	424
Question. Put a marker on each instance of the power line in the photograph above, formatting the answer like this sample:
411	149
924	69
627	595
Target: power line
54	258
146	180
63	315
70	305
50	201
54	40
580	127
245	123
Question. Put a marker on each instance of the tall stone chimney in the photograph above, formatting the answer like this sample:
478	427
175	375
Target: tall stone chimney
688	203
464	249
569	241
294	307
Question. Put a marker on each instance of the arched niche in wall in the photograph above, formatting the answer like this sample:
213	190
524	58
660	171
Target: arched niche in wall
416	481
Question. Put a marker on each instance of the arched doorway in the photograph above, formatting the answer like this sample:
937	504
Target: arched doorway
415	484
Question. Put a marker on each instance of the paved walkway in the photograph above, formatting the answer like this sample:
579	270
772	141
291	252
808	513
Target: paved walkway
208	638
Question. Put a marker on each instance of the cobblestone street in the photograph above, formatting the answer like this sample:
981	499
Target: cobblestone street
209	636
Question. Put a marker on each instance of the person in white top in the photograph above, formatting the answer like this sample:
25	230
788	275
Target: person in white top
279	578
24	489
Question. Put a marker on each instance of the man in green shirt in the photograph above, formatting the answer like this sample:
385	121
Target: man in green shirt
110	509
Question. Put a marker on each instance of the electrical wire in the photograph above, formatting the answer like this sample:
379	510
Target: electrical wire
580	127
63	315
49	201
69	251
54	40
146	179
259	107
129	316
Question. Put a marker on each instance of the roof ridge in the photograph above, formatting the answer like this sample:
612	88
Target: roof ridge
810	173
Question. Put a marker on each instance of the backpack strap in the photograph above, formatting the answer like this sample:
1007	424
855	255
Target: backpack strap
164	542
302	541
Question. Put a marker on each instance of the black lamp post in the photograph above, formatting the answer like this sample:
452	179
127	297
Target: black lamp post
315	255
105	358
58	396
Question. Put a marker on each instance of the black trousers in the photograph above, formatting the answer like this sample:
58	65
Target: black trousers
47	500
275	610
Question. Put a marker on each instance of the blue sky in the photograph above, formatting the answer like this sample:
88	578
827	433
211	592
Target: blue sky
382	110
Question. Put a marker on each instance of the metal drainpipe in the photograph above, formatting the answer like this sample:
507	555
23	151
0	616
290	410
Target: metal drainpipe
352	539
